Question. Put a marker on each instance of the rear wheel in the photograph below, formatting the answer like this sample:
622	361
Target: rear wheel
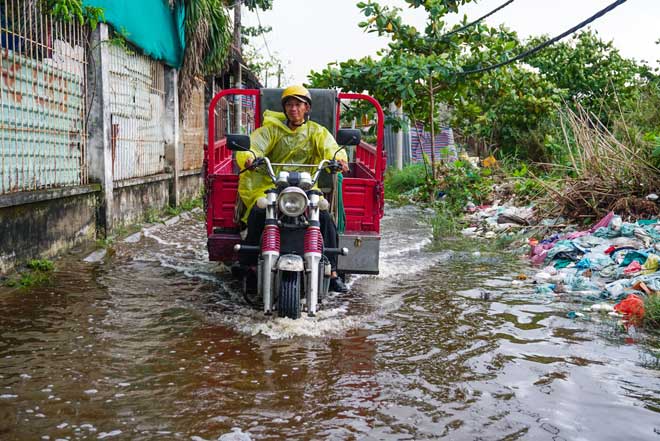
288	300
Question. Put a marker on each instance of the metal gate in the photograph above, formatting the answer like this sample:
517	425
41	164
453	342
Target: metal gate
137	107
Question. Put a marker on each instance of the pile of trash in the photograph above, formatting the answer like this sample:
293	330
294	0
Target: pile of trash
490	220
612	261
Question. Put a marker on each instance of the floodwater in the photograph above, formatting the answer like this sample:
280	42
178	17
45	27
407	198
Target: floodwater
156	344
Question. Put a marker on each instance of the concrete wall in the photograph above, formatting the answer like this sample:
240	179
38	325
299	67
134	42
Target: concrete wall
190	184
42	224
135	198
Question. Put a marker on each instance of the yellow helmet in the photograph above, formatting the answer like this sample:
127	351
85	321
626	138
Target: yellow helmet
298	92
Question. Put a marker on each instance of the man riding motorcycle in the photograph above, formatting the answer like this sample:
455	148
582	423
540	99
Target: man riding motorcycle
288	137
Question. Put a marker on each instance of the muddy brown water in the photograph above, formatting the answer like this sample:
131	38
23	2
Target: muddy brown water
156	344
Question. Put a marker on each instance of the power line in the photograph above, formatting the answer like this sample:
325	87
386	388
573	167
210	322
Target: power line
262	34
547	42
462	28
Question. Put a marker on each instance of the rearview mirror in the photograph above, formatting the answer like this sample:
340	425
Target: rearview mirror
238	142
348	136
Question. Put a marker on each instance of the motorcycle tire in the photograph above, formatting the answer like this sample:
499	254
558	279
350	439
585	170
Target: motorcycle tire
288	300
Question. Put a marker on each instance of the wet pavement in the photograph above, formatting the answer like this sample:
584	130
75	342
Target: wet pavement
156	343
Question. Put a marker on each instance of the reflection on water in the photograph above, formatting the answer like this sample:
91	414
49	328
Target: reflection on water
156	343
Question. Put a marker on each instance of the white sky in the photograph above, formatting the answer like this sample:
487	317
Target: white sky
309	34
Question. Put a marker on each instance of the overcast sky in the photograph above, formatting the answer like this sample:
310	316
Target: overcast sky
309	34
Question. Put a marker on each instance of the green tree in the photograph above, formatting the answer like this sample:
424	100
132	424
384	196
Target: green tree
510	109
264	5
67	10
208	34
591	71
418	68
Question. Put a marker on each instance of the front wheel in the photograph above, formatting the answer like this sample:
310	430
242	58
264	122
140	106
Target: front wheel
288	300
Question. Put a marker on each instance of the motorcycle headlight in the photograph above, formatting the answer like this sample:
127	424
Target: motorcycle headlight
292	202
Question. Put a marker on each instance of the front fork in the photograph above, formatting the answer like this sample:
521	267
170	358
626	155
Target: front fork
270	252
313	253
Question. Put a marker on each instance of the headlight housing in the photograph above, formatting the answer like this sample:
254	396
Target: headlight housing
292	201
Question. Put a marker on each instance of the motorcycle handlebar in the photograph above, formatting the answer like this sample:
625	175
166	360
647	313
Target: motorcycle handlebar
332	164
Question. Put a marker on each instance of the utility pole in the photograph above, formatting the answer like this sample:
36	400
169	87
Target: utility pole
398	136
279	75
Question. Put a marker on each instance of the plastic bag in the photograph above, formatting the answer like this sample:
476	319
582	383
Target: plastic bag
633	268
651	264
632	307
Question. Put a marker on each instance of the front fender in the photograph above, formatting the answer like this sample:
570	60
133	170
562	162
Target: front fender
290	262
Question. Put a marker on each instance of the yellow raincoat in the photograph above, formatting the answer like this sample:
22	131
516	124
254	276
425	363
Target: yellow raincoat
307	144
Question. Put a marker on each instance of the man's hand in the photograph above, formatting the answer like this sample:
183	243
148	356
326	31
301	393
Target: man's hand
344	165
248	162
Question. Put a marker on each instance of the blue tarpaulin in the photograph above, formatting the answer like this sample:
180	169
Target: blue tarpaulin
148	24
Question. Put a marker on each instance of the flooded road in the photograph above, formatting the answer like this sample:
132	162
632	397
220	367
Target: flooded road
157	344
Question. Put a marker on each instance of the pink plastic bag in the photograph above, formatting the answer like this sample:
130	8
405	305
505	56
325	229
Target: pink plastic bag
604	222
633	268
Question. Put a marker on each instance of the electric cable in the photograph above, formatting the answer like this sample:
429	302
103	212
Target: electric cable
270	56
462	28
547	42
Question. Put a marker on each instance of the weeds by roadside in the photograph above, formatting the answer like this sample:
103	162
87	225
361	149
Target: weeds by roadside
652	311
603	174
37	272
184	206
445	222
461	188
406	185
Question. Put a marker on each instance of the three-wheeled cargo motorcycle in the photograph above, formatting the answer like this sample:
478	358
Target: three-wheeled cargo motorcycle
293	270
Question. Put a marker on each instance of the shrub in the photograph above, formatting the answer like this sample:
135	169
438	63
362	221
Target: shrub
40	265
39	272
652	311
399	182
462	183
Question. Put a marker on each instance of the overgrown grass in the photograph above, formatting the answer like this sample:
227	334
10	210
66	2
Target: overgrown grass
186	205
43	265
121	231
37	272
406	183
604	173
152	216
456	185
652	311
460	183
446	222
